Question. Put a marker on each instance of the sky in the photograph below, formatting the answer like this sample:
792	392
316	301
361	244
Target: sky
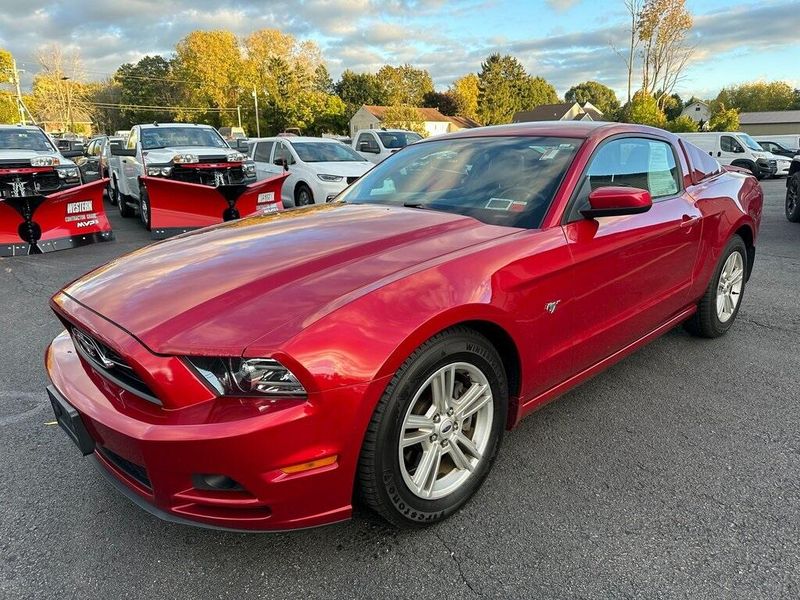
564	41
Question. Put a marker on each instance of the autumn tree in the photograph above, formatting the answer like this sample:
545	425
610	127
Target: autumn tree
663	29
444	102
465	92
59	94
643	109
404	117
633	8
8	105
758	96
722	118
404	84
601	96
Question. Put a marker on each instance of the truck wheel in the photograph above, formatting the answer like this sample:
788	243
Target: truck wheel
144	208
793	198
303	195
125	210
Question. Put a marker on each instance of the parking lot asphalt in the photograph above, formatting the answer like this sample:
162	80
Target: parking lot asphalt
675	474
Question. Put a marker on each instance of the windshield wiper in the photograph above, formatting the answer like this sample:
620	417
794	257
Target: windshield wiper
415	205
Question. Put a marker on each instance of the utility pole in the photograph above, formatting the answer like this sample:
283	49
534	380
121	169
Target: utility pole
15	80
66	80
255	101
239	114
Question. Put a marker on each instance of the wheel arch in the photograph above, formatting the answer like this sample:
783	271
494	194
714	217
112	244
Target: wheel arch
745	231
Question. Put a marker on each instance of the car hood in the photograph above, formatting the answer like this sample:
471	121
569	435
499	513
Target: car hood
219	289
19	155
343	168
165	155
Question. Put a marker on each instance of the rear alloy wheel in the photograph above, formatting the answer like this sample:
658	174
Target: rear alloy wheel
144	208
719	306
793	198
435	433
303	195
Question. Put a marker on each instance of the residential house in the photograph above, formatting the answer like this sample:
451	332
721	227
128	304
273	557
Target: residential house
560	112
698	111
435	123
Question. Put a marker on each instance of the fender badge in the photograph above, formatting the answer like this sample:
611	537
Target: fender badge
551	306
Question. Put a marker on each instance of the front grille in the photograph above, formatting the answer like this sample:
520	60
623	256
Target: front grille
351	180
132	470
232	175
32	184
111	365
213	159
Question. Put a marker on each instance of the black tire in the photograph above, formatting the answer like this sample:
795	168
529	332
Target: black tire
380	479
303	195
144	208
705	322
125	210
793	198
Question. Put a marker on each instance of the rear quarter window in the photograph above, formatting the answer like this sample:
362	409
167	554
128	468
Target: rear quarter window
702	165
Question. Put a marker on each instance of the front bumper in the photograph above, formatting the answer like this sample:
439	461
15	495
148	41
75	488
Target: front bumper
155	455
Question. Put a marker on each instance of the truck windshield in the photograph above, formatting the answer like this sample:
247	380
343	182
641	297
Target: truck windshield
166	137
24	139
750	142
498	180
325	152
398	139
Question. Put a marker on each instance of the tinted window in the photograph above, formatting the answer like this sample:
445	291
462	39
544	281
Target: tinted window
397	139
630	162
499	180
263	150
369	140
24	139
728	144
163	137
325	152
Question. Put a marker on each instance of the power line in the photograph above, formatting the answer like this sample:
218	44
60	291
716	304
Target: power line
155	107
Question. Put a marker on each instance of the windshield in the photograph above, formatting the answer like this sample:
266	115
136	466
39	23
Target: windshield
163	137
24	139
325	152
397	139
750	142
498	180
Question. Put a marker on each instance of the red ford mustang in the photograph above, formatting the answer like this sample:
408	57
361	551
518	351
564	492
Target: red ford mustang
262	373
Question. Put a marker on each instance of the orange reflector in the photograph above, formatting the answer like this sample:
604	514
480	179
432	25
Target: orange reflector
307	466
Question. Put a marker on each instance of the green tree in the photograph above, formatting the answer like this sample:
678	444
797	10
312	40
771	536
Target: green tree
723	119
758	96
357	89
504	88
322	80
445	103
404	117
682	124
465	92
643	109
601	96
672	106
404	84
537	91
149	82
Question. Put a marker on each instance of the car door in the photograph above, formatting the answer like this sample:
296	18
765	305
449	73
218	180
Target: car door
367	146
729	149
280	156
632	273
262	151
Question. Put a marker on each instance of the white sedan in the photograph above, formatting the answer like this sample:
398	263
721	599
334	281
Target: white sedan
319	169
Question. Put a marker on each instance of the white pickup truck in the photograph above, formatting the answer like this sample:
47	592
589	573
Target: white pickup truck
376	145
179	151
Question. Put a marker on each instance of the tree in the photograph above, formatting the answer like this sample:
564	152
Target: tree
445	103
673	106
758	96
322	80
643	109
504	88
663	29
465	92
682	124
59	95
149	82
633	8
404	84
357	89
601	96
723	119
8	105
404	117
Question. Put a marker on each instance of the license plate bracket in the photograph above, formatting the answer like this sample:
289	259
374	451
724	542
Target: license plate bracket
70	421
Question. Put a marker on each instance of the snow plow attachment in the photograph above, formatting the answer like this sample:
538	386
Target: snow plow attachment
68	219
177	206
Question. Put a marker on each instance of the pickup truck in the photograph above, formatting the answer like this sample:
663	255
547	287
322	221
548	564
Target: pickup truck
184	152
376	145
31	165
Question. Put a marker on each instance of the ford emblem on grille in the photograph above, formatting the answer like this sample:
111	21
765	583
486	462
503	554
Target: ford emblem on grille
92	348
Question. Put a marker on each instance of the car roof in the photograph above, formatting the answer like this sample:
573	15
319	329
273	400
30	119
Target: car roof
156	125
21	127
294	138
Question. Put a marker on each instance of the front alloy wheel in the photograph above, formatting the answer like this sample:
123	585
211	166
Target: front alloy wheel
435	432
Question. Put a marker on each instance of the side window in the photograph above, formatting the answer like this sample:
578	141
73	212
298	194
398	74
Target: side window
369	140
133	138
282	151
98	147
630	162
263	150
728	144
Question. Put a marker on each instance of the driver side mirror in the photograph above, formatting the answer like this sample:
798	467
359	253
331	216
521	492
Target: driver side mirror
617	201
281	162
366	147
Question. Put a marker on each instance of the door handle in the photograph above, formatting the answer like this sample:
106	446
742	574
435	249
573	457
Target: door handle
719	153
688	221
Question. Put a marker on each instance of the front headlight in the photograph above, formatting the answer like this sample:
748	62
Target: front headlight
187	158
236	157
247	376
159	171
44	161
249	168
68	172
330	177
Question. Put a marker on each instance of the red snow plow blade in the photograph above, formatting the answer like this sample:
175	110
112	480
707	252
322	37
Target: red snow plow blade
177	206
68	219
